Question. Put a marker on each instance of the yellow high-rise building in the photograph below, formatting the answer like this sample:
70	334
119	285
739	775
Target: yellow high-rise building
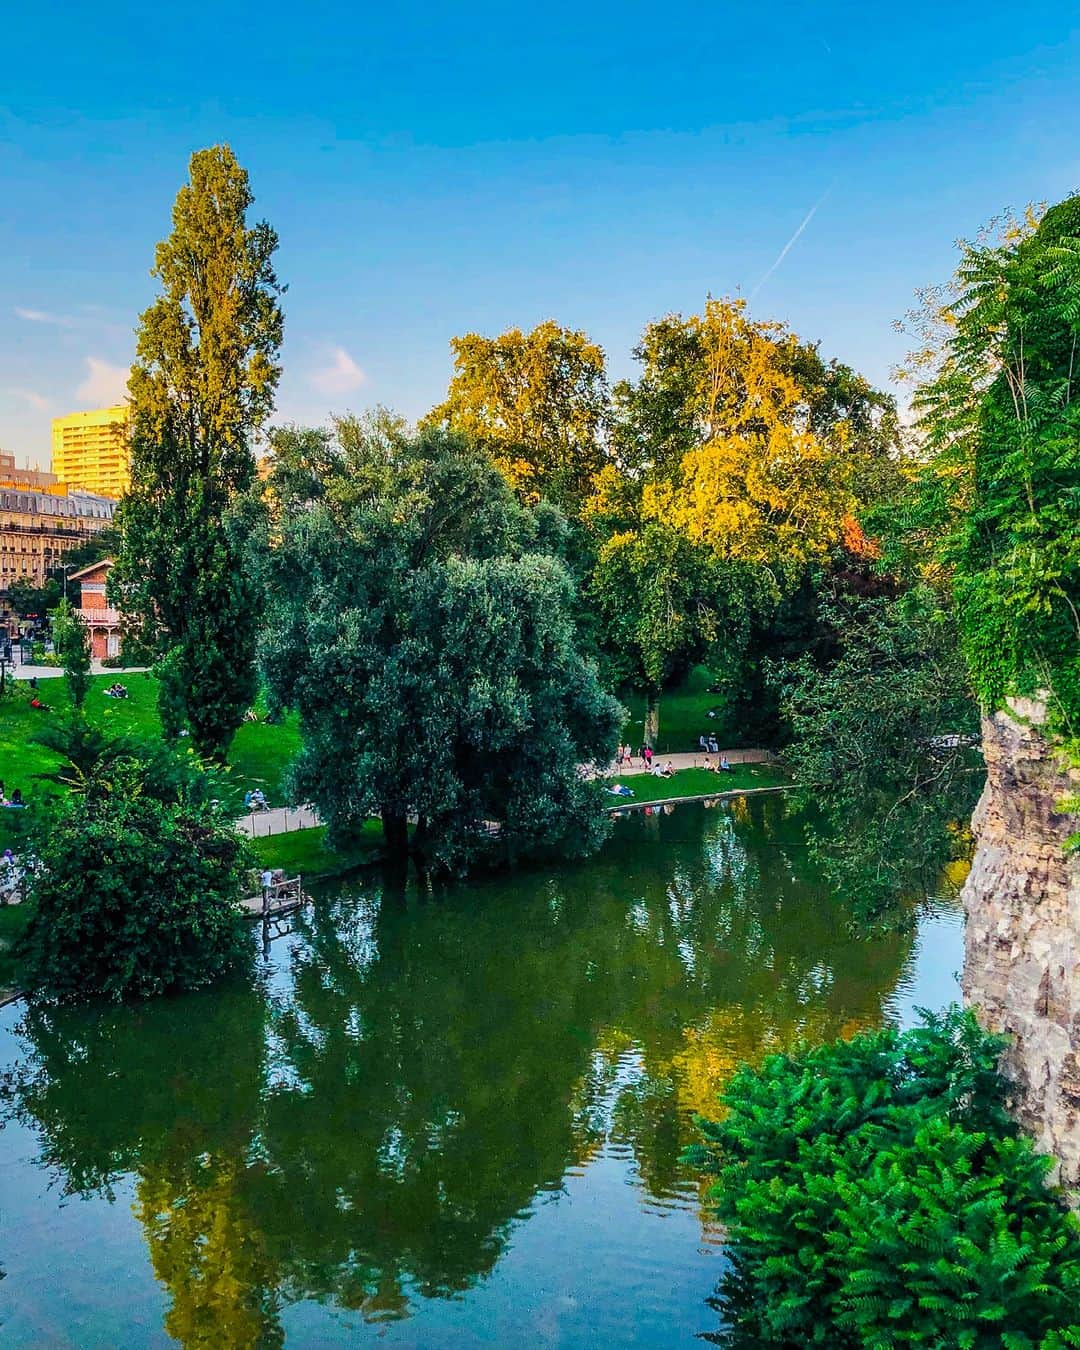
90	450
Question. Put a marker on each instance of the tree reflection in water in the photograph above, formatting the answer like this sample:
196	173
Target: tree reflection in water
368	1127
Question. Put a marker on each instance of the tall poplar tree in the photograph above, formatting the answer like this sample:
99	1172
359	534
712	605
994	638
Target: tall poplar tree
201	387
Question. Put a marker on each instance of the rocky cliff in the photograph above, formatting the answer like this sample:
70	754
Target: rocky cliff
1022	937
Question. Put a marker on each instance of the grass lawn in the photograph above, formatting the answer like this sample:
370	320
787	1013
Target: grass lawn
684	714
259	755
699	782
305	852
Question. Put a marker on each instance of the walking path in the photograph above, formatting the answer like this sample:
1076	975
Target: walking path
29	672
286	819
693	760
278	820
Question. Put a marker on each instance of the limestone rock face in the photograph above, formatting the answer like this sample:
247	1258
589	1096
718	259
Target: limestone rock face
1022	935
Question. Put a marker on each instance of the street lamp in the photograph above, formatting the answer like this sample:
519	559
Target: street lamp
65	568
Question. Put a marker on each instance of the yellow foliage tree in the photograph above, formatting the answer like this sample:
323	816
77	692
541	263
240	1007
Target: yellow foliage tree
210	1256
760	484
537	401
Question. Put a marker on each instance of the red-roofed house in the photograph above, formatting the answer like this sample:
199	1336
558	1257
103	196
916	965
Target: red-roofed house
102	622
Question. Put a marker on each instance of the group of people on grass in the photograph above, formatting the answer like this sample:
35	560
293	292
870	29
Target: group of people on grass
624	759
15	800
116	690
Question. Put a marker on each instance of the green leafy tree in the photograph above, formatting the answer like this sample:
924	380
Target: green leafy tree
883	733
137	883
664	603
537	402
201	388
85	751
998	505
72	644
875	1192
430	650
25	598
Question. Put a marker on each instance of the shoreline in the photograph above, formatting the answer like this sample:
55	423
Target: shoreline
700	797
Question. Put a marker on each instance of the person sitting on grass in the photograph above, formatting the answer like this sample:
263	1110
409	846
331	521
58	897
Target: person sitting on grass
723	766
16	800
38	706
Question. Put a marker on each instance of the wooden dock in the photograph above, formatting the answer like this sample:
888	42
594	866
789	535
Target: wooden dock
283	897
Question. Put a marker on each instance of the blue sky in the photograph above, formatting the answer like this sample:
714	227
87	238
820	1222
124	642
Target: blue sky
436	169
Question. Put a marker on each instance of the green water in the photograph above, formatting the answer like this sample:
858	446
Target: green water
436	1120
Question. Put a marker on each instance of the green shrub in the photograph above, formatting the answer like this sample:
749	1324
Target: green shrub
136	883
875	1193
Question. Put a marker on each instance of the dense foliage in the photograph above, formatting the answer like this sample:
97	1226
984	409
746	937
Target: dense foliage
883	736
71	642
136	879
999	504
424	632
736	461
202	384
876	1193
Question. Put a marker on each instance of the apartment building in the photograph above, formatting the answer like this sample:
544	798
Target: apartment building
38	527
90	450
39	480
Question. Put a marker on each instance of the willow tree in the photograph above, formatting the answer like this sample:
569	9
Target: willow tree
202	385
426	639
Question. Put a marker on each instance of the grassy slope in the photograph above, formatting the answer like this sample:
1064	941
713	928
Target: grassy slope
683	714
258	758
305	851
698	782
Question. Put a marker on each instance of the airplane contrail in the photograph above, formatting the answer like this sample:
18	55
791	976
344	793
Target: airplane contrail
790	243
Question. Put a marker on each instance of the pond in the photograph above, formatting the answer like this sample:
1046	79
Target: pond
436	1120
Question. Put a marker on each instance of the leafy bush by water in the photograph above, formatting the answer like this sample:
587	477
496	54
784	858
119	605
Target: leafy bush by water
136	881
876	1193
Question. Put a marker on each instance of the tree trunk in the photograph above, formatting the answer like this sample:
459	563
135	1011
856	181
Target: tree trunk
395	834
652	716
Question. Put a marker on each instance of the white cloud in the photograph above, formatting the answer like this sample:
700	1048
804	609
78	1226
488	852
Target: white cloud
38	401
41	316
340	375
104	384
